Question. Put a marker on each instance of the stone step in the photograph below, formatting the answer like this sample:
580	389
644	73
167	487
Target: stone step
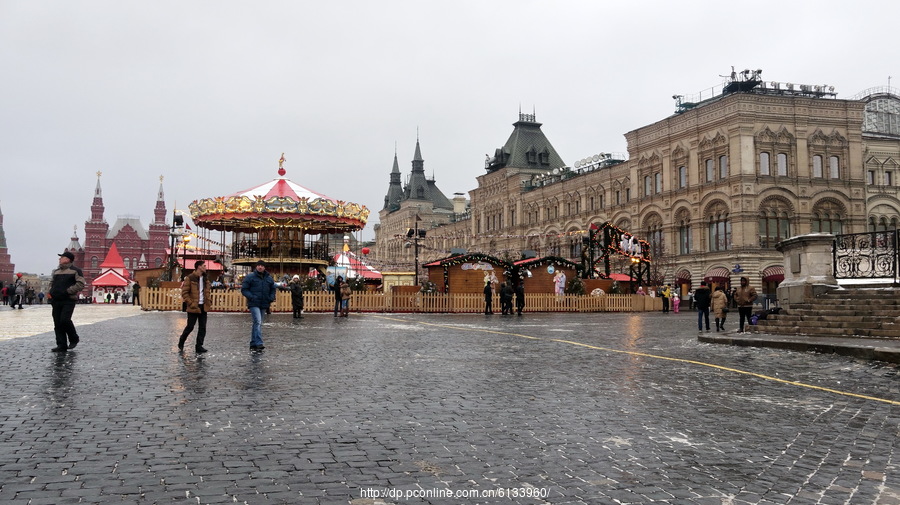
835	312
826	331
841	322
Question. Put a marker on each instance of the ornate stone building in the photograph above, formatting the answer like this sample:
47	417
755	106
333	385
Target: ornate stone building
713	187
418	204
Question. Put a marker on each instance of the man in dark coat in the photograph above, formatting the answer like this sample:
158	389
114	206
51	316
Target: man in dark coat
506	296
338	299
488	298
65	284
702	299
520	297
195	294
296	288
259	290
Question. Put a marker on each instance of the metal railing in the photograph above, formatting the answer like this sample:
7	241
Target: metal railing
870	255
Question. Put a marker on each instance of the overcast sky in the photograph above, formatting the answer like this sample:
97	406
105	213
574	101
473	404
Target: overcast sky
209	94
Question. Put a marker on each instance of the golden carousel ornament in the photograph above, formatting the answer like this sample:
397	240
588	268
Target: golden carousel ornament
279	222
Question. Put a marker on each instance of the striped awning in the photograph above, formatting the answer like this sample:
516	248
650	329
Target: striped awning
717	274
773	274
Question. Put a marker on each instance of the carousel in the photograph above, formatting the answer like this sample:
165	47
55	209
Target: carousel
279	222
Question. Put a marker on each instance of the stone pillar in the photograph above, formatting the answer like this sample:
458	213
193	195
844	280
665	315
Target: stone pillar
808	268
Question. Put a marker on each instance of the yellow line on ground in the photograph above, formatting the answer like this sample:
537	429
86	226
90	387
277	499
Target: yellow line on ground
655	356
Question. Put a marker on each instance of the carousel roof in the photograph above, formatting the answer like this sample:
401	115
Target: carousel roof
279	203
280	187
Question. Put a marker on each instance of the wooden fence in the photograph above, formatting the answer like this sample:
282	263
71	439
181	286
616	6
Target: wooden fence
232	301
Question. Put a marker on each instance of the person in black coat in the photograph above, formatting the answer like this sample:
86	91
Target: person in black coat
488	298
702	300
506	295
337	295
520	297
296	288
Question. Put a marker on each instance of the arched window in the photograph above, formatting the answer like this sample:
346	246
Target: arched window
723	166
774	223
684	233
710	170
817	166
719	228
764	168
95	262
834	168
682	176
827	218
782	164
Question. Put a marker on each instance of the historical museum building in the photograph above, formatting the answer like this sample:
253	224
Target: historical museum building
713	188
137	246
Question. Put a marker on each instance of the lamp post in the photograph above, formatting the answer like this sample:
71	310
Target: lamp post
415	234
185	240
177	231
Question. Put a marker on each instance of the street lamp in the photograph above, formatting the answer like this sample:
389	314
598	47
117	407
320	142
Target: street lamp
415	234
185	240
177	231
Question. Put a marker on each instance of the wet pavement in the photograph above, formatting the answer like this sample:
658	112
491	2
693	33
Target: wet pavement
437	409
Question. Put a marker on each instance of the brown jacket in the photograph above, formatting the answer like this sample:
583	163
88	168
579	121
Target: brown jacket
745	296
345	291
190	293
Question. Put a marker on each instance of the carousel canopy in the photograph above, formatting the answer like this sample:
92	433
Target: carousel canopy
279	203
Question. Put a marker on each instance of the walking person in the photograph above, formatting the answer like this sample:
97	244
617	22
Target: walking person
194	293
136	293
676	300
488	299
702	298
346	293
296	289
744	296
506	295
259	290
720	307
338	300
19	289
66	282
520	297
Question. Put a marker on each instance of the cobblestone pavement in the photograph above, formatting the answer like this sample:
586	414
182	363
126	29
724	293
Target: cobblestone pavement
438	409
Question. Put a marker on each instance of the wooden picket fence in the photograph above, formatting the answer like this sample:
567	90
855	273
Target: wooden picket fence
232	301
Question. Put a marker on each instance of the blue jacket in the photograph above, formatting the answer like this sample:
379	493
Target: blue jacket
258	289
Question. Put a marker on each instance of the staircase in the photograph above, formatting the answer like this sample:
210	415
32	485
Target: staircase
853	312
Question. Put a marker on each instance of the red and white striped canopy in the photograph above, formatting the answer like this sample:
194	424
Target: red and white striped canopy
280	187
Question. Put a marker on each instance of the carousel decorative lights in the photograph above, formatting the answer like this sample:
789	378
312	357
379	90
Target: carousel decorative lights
274	221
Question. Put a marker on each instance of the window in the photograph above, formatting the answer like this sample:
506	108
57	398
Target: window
782	164
719	233
834	168
646	185
128	263
723	167
719	227
512	217
774	226
764	164
682	176
709	171
827	218
618	197
684	237
889	178
95	262
627	194
817	166
602	201
870	177
659	182
591	203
